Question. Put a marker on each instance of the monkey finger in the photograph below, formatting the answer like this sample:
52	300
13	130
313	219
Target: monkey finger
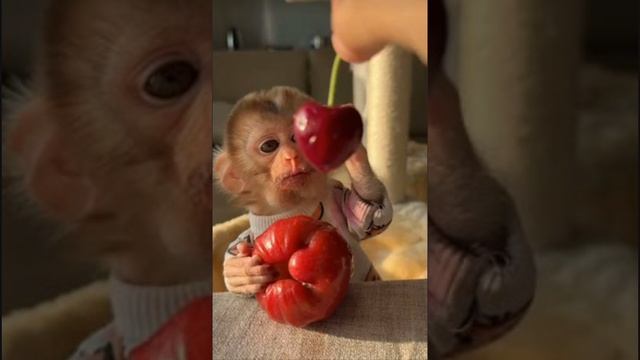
255	260
258	270
235	266
250	280
244	249
236	262
249	289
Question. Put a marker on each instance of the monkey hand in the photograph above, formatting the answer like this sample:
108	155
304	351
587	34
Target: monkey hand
245	273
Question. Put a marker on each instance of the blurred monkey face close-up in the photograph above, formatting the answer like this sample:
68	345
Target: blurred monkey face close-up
114	139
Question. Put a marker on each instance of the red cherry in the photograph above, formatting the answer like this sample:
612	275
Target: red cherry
327	136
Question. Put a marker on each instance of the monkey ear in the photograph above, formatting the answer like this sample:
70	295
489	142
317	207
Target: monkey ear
227	174
50	174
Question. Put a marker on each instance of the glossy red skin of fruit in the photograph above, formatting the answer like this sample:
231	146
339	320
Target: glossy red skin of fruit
314	265
187	335
327	136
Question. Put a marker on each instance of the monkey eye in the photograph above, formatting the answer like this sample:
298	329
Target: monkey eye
269	146
293	139
171	80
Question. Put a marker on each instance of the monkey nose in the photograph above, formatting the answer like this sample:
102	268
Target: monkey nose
291	155
294	162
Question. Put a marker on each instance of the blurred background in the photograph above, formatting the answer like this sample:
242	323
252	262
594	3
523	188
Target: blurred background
35	267
550	97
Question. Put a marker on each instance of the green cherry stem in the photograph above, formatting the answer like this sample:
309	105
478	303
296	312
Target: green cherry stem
334	80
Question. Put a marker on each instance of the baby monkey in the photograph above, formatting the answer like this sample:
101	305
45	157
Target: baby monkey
262	170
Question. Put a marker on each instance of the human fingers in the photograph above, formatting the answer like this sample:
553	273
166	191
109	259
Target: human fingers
355	25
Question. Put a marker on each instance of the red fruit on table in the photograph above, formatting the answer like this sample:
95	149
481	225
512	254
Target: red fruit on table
314	265
187	335
327	136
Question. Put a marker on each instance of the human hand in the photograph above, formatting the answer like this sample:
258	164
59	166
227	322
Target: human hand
354	38
361	28
245	274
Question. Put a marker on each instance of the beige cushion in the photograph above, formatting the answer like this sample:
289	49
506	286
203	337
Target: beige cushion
377	320
53	329
222	234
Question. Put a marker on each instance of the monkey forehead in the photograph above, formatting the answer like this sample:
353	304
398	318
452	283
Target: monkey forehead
82	37
267	119
78	20
252	121
260	126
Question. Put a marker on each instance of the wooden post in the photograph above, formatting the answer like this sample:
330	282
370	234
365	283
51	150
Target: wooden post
388	100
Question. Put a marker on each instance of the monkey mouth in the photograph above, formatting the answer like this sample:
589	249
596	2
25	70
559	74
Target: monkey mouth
295	179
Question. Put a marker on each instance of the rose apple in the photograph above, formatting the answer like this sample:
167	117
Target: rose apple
327	136
314	265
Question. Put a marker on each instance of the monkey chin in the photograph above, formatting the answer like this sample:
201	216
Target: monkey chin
292	191
296	181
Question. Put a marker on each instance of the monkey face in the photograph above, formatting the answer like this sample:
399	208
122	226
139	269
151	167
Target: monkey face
167	91
288	178
261	166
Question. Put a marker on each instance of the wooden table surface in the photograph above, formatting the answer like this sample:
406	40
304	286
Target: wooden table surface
377	320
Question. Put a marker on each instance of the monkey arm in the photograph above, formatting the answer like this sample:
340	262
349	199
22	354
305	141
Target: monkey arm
363	180
363	218
474	298
465	202
365	207
481	270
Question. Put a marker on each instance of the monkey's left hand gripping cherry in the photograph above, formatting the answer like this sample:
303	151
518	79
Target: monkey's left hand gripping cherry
327	136
187	335
314	263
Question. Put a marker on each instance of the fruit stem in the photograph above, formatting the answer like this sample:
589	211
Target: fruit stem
334	80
